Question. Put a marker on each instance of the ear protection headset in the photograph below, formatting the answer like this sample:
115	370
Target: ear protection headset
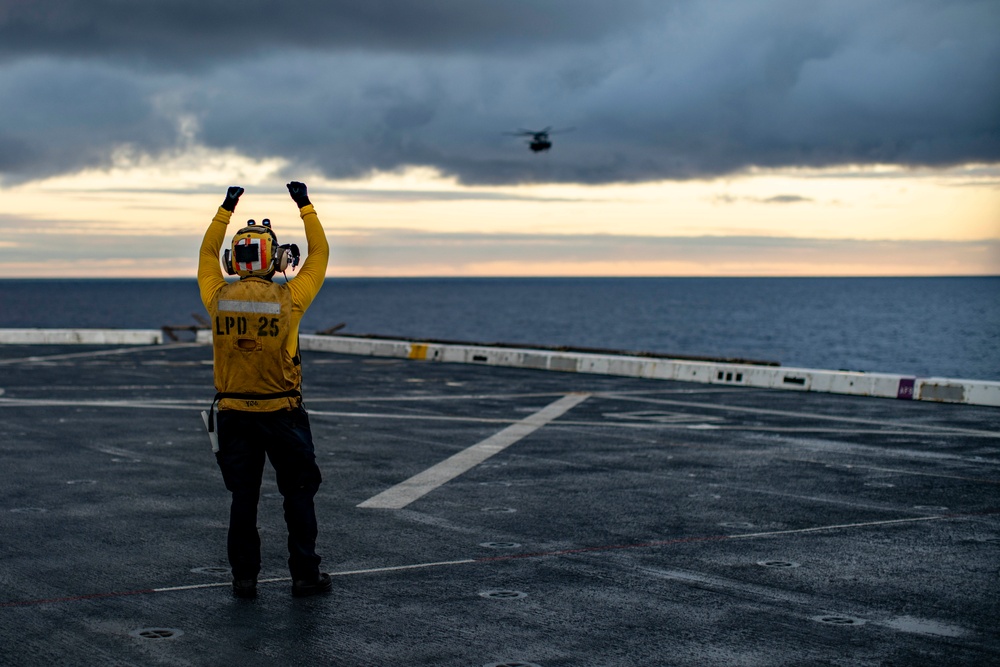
256	253
286	257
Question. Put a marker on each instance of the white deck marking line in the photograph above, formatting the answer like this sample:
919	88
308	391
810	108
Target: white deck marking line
97	353
789	413
799	531
467	561
346	573
547	554
147	405
848	448
378	415
406	492
695	426
430	397
170	404
464	397
520	556
898	471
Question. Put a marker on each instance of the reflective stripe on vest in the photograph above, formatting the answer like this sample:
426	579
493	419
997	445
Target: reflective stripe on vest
269	307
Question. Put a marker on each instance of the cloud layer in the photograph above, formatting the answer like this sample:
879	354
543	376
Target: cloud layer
52	248
654	90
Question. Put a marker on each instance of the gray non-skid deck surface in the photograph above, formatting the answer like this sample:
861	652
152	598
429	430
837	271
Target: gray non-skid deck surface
654	523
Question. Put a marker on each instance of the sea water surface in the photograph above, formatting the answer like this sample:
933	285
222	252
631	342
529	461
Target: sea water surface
945	327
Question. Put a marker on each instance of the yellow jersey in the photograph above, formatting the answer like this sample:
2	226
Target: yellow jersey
255	322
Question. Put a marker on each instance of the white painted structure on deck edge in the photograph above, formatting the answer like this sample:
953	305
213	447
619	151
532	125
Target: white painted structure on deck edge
882	385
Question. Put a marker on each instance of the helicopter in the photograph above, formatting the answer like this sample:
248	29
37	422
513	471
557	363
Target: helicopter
539	139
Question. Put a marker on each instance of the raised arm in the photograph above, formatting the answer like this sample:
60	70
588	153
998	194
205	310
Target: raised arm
210	279
310	278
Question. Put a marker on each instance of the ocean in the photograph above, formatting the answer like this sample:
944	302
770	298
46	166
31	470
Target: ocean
945	327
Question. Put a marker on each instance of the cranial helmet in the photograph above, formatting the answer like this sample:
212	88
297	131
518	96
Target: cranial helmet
256	253
253	251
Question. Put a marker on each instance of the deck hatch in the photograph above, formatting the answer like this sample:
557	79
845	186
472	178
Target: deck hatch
157	633
503	595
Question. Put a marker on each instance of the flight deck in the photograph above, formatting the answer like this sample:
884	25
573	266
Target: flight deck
492	516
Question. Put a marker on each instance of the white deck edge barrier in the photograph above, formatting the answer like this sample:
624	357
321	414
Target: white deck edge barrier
81	336
882	385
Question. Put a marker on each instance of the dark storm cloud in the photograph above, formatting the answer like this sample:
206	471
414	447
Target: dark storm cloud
166	33
380	195
655	90
60	117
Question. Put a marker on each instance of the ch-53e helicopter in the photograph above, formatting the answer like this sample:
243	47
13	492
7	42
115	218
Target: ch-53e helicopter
539	139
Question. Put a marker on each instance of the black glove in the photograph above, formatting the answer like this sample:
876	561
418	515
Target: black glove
232	197
298	192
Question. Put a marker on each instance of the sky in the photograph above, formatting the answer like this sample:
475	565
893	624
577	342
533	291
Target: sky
691	137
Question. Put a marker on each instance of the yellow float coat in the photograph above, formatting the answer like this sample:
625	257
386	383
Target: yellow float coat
255	322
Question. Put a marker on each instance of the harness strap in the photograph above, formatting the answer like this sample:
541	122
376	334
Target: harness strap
291	393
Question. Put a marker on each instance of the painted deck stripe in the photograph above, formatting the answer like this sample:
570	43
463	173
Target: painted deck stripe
477	397
791	413
199	404
432	397
380	416
896	471
423	483
494	559
842	526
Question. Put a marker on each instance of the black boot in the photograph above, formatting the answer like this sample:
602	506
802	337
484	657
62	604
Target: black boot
245	588
321	584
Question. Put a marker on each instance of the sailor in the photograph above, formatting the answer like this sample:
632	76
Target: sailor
255	324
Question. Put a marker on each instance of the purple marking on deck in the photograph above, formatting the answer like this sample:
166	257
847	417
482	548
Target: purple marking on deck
905	391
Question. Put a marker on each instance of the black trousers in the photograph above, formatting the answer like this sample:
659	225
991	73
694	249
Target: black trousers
285	437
